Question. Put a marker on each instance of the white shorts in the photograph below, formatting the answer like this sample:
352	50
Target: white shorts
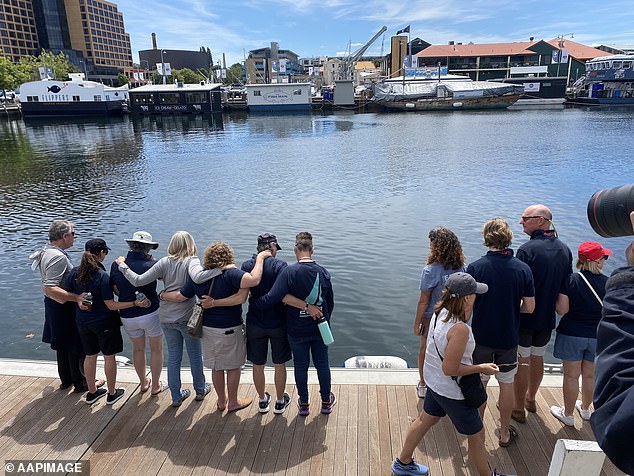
145	325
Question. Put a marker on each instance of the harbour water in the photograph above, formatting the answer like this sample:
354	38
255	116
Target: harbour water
368	186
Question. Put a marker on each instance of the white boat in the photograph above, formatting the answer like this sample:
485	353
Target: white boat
278	97
609	81
75	97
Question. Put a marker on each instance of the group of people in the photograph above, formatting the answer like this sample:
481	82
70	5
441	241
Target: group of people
85	308
511	300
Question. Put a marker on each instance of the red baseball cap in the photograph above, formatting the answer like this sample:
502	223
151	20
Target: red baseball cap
592	251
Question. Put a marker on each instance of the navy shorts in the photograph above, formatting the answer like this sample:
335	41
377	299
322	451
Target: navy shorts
103	336
575	348
258	345
466	419
532	338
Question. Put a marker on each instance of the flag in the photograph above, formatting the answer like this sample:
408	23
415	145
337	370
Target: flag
282	66
555	58
564	56
159	68
168	69
275	65
404	30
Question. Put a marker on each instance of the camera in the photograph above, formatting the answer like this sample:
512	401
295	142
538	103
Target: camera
609	211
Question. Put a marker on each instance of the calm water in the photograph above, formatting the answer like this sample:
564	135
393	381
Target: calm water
368	186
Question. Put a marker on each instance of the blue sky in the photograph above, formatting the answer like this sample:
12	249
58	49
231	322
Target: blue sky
331	27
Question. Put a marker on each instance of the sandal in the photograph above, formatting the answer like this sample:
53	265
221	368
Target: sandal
512	436
148	384
162	386
243	404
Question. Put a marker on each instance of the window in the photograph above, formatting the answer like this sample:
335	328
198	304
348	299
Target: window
97	98
297	92
257	92
76	98
169	98
197	97
32	99
627	64
616	64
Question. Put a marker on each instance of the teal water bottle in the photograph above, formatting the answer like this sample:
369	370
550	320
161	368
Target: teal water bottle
324	330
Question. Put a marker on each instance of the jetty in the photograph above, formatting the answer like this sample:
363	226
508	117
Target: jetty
145	434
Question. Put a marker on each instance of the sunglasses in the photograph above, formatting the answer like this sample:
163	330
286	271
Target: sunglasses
528	218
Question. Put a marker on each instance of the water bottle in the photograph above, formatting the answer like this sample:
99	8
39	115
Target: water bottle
87	301
139	296
324	330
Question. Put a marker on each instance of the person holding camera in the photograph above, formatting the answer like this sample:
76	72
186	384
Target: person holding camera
550	260
613	417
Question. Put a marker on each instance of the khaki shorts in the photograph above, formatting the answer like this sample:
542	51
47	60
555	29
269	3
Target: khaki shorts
224	349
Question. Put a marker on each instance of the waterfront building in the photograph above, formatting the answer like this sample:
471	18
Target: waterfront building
399	48
483	62
177	59
272	65
18	34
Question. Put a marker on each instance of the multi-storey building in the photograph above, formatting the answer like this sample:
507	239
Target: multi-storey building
264	65
18	34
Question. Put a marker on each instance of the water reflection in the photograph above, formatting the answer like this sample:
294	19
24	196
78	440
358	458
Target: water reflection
369	187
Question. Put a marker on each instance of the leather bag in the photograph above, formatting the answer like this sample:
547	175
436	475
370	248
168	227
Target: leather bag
195	322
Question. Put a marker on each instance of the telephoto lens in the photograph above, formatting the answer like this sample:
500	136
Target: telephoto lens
609	211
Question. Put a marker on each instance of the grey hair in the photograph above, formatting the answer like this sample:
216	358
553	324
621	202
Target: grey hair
140	247
58	229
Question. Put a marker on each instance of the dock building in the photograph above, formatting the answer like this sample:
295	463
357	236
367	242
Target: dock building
272	65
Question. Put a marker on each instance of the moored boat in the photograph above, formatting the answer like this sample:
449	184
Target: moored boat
76	97
444	93
609	81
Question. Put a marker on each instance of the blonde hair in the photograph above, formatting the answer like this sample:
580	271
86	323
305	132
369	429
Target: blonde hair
218	254
454	305
497	234
593	266
181	246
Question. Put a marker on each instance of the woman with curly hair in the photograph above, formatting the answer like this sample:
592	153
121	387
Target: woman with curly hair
223	341
445	258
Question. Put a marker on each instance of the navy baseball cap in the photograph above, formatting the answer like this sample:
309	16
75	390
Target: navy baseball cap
96	245
267	238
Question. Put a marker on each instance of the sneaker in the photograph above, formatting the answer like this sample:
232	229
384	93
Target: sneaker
421	388
280	405
184	394
93	397
585	414
111	399
326	407
264	404
558	412
410	469
201	396
304	408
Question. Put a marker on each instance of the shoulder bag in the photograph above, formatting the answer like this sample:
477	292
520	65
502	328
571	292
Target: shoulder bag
470	385
591	288
195	322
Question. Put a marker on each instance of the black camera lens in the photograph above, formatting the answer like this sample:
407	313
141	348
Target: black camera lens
609	211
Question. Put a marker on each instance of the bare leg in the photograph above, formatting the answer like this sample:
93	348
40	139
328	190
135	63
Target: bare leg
478	454
536	376
110	368
421	350
156	362
218	379
259	380
280	380
506	405
138	357
483	407
233	381
520	385
417	431
90	370
587	383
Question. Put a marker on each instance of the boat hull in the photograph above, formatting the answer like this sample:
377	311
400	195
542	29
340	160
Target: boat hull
582	101
70	109
450	104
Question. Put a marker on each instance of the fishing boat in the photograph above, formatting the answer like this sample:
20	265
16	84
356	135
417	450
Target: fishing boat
609	81
443	92
76	97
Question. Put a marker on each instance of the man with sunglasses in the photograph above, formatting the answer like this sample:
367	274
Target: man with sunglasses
60	330
550	260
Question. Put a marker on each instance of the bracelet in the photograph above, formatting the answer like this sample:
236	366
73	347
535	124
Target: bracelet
306	307
160	294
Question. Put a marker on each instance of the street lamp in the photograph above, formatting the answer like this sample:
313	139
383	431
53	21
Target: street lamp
83	62
163	65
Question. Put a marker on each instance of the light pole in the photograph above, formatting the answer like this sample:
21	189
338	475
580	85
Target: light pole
163	66
83	62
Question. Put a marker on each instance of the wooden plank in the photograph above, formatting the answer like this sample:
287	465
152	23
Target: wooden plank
384	429
287	440
330	440
363	431
374	446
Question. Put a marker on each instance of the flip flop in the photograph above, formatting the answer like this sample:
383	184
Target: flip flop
148	384
512	436
243	404
220	408
162	386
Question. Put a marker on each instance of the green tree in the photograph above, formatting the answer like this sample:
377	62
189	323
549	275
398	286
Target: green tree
234	74
14	74
122	79
187	76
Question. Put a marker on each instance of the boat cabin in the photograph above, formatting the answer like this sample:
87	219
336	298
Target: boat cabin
279	97
176	98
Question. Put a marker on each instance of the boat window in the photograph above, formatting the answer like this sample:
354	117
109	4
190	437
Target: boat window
169	98
297	92
195	98
143	98
76	98
97	98
616	64
32	99
257	92
627	64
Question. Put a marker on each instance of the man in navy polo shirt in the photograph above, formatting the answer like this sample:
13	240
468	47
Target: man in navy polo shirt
496	314
264	325
550	261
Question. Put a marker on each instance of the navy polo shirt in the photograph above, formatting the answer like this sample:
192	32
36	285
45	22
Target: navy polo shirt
496	313
585	311
307	281
101	291
139	263
273	317
551	263
225	285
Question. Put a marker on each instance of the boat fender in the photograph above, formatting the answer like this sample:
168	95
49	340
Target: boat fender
457	104
375	362
410	105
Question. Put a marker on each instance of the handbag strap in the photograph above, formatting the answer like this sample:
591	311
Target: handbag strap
591	288
434	338
211	286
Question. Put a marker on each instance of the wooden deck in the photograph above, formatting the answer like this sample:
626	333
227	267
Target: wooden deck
142	434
